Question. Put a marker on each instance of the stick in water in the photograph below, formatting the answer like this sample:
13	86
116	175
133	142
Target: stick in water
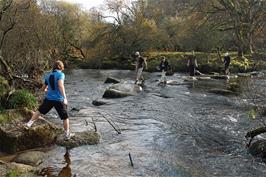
130	158
118	131
95	128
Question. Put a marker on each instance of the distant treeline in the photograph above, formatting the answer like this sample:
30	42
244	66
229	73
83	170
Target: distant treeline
35	32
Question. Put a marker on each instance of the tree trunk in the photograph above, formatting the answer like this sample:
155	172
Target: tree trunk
240	52
7	70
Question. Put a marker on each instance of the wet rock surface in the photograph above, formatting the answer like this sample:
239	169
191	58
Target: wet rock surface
79	139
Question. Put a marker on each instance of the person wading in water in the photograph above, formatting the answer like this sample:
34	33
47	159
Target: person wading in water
192	64
140	63
227	60
55	97
164	66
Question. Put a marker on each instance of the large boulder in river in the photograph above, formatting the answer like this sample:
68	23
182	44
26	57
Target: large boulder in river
111	80
14	137
122	90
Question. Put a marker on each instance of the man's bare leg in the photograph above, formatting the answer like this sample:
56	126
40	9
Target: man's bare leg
34	117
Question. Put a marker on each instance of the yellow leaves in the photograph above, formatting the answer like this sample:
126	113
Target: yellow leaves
252	114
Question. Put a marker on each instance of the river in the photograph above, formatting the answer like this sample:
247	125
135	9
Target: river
172	131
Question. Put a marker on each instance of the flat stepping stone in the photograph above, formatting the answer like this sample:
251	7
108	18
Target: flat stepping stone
79	139
100	102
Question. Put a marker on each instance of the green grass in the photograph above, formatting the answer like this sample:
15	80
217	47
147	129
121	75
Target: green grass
22	98
6	116
12	173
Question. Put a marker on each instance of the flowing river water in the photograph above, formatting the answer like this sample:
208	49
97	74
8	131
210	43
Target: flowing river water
171	131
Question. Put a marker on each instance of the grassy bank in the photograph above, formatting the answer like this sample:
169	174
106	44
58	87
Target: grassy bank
207	62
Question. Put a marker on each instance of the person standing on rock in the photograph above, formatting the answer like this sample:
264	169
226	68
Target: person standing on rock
192	64
140	63
227	60
164	65
55	97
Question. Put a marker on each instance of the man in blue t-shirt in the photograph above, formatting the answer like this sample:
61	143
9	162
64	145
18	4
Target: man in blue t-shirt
55	97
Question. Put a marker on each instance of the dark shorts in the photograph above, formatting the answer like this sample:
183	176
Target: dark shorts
59	106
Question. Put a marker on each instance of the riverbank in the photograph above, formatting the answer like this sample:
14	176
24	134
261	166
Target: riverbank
207	62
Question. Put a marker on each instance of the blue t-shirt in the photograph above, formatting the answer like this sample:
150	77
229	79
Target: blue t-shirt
51	80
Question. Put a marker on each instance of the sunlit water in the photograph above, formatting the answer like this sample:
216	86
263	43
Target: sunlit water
172	131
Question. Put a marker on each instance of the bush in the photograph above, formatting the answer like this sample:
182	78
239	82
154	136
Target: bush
22	98
4	88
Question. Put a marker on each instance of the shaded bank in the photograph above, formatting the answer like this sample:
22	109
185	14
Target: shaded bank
208	62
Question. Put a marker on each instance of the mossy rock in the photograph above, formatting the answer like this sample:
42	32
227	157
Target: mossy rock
80	138
14	137
13	115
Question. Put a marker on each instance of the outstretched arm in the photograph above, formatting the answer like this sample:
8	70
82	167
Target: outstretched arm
44	88
146	65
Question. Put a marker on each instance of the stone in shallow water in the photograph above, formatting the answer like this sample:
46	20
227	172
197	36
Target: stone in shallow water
122	90
99	102
80	138
33	158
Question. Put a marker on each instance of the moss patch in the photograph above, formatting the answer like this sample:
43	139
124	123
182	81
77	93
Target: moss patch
14	114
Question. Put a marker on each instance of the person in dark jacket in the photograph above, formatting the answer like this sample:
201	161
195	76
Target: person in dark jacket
227	60
140	64
192	64
164	65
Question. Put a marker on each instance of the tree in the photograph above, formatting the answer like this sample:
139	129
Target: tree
244	17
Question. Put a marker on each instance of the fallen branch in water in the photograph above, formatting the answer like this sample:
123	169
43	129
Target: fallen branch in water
95	128
131	161
110	122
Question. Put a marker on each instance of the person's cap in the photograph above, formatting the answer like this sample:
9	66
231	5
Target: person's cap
137	54
226	54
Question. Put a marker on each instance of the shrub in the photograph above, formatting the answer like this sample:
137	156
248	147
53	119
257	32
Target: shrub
22	98
4	88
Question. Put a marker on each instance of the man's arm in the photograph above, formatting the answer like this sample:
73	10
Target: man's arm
44	88
145	62
61	88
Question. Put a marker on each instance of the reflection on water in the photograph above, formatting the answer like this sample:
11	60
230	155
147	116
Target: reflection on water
64	172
